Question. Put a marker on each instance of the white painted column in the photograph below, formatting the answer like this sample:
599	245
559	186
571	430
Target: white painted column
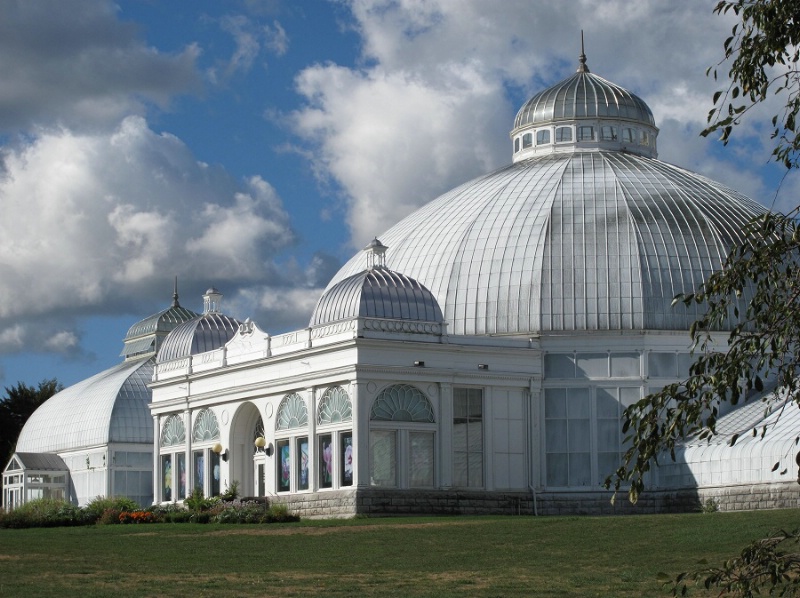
313	453
360	398
445	444
187	424
156	459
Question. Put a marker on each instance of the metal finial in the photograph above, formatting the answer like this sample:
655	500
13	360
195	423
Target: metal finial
582	68
175	294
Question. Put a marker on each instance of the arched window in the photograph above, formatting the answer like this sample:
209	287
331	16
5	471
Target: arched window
173	432
335	441
292	450
292	413
402	402
173	459
206	466
516	145
334	407
402	422
206	427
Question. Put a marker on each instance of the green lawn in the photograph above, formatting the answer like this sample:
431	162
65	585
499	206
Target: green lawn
436	557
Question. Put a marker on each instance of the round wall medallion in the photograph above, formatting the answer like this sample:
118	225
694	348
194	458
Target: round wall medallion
371	387
433	391
268	410
224	416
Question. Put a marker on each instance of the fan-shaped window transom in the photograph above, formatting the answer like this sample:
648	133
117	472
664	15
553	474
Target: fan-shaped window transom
292	413
205	427
173	432
402	402
334	407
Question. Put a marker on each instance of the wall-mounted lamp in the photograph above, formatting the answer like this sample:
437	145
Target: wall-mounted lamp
217	448
419	364
483	366
261	445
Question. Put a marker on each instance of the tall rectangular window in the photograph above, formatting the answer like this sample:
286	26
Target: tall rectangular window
199	470
347	459
302	463
181	457
166	477
215	474
421	459
284	463
567	436
468	437
383	457
325	460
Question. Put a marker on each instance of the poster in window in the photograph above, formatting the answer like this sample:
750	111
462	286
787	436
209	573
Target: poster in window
166	477
325	461
199	471
302	455
284	466
181	475
215	474
347	459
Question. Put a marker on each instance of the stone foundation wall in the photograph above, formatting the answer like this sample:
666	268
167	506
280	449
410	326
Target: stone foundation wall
389	502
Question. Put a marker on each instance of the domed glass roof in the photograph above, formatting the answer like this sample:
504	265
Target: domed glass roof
111	406
583	95
198	335
586	240
377	293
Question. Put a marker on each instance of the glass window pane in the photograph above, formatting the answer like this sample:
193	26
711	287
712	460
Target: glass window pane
527	140
421	461
216	473
166	477
325	444
200	471
302	463
181	475
592	365
284	463
608	434
578	403
557	469
555	402
607	404
580	472
542	137
579	435
383	451
625	365
559	365
662	365
346	452
556	436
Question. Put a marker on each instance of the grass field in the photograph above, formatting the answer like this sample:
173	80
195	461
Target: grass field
434	557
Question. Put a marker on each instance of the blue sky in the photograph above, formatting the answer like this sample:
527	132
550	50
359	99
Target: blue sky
254	145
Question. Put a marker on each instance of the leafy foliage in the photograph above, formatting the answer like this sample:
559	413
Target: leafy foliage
15	409
771	564
763	51
756	296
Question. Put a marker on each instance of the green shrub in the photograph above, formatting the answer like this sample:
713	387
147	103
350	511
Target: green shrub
109	517
231	492
44	512
95	509
197	502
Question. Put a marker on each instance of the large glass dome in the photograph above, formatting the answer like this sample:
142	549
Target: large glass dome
578	234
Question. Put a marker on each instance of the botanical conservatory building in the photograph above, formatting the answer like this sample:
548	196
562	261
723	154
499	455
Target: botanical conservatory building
477	356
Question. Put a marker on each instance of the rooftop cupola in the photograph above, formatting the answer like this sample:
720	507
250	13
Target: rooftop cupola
212	301
584	112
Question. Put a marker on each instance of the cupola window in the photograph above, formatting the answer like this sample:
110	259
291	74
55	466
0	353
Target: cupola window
542	137
608	133
628	135
644	138
563	134
527	140
516	145
586	133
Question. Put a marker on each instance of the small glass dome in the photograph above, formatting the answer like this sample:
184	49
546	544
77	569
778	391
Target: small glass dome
587	113
203	333
377	293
